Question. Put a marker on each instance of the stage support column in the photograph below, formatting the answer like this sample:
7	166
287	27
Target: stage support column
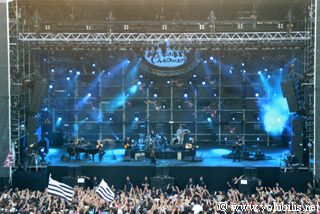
316	141
5	121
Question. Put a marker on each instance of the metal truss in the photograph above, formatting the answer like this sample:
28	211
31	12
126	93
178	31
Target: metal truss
132	38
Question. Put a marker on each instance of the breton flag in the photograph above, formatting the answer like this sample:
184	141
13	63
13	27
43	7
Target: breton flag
105	192
60	189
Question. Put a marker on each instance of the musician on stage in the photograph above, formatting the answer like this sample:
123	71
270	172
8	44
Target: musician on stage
127	146
191	147
153	155
180	134
43	147
101	152
237	150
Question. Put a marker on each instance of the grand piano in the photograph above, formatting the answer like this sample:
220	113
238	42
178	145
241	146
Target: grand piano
86	148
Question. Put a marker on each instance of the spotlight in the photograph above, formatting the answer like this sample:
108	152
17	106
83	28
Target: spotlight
151	82
163	106
244	71
155	95
190	83
46	109
185	95
209	119
233	118
194	75
211	57
281	69
269	76
258	118
141	76
215	94
258	138
136	119
203	83
259	72
110	118
179	106
205	61
52	70
139	82
128	61
168	81
78	72
93	72
68	78
51	86
242	64
265	69
89	95
225	138
59	118
70	71
230	71
93	65
257	94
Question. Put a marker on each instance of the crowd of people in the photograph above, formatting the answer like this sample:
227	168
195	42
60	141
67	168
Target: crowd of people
193	198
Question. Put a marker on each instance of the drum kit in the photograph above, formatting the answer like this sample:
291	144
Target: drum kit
158	142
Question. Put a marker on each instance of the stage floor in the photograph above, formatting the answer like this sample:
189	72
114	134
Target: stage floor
212	157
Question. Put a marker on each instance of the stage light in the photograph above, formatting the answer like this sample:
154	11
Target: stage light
163	106
233	118
93	65
185	95
190	83
230	71
269	76
211	57
141	76
205	61
281	69
209	119
259	72
265	69
128	61
70	71
155	95
257	94
244	71
110	118
59	118
225	138
258	118
168	81
215	94
203	83
51	86
52	70
136	119
78	72
93	72
68	78
242	64
258	138
46	109
139	82
179	106
89	95
151	82
194	75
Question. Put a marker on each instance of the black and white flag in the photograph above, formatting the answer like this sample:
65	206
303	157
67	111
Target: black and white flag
105	192
60	189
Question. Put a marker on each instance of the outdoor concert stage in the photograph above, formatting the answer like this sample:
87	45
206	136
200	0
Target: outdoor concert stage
215	169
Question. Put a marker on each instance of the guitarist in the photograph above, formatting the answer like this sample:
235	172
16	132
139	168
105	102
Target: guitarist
127	145
180	134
